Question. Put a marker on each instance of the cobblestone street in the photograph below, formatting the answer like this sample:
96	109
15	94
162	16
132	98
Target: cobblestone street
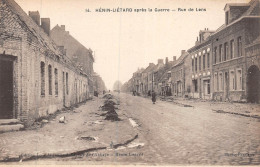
186	135
167	134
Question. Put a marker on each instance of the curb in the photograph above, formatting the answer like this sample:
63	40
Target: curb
28	157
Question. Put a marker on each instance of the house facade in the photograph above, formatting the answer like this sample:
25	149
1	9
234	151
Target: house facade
145	79
223	65
252	53
180	76
37	79
230	43
201	66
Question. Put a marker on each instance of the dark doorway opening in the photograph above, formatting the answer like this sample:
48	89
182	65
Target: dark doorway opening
226	86
63	88
6	89
253	84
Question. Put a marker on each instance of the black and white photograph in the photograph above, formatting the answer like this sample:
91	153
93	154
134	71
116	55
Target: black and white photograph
130	82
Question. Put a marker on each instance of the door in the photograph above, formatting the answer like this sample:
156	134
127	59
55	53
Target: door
253	84
6	89
226	86
63	88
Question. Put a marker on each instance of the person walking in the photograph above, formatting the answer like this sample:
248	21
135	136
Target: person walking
153	97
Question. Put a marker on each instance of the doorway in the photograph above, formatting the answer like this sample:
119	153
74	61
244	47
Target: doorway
6	89
63	88
226	86
253	83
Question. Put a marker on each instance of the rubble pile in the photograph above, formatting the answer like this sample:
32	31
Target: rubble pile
108	96
109	106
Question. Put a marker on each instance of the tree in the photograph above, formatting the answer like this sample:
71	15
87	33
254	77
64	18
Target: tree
117	86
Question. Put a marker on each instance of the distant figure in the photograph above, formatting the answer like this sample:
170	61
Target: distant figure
153	97
104	92
149	93
133	92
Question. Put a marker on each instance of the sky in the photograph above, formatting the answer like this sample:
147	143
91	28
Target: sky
125	41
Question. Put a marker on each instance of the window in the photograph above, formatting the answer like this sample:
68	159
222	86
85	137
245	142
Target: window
220	82
67	83
42	78
208	61
192	65
216	82
225	52
232	80
204	61
220	53
50	79
56	81
239	79
232	49
215	55
239	46
196	64
169	75
200	63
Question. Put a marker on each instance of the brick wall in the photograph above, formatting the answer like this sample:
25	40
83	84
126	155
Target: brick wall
229	65
17	41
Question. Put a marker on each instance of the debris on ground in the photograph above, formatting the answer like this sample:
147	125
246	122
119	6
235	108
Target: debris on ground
108	96
77	111
133	123
45	121
111	101
62	119
109	106
89	138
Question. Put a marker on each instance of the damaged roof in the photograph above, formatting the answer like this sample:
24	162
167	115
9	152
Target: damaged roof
44	40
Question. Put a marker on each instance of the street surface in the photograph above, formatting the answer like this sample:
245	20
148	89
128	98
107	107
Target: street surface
171	134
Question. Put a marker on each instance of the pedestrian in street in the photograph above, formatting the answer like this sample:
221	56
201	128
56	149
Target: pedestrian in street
149	93
153	97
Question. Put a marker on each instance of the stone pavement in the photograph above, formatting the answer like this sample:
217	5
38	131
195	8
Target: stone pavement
240	109
84	129
176	135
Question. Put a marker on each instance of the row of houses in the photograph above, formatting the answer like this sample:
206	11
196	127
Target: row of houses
222	65
41	70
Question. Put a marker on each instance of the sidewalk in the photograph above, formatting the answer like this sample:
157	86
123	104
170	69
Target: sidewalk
242	109
83	130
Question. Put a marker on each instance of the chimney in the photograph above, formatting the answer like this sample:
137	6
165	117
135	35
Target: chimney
160	61
62	27
150	64
197	42
174	58
45	24
35	15
166	60
183	52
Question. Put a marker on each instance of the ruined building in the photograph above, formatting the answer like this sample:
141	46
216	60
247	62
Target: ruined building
37	78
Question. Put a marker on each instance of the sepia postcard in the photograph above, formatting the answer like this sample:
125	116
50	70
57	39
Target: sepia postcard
128	82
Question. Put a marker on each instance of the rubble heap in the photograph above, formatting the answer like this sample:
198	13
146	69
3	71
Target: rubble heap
109	106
